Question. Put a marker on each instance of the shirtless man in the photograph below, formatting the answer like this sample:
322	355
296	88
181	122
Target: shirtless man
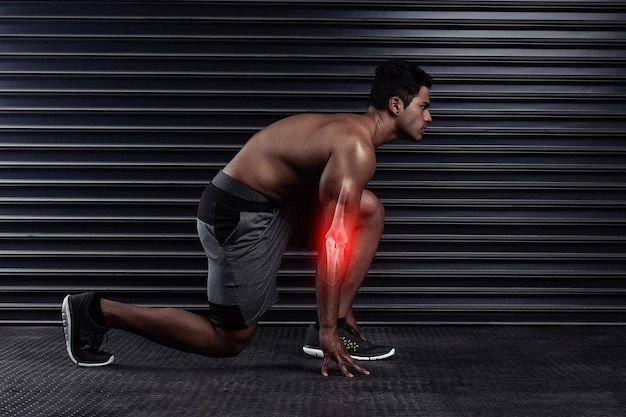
247	215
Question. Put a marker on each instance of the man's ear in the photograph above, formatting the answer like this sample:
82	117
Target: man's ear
395	103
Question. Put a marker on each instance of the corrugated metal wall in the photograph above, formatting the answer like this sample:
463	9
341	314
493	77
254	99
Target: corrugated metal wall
115	114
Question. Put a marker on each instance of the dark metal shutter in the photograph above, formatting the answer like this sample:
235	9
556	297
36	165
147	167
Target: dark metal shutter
115	114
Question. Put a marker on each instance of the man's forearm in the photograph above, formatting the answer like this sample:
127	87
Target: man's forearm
332	266
327	303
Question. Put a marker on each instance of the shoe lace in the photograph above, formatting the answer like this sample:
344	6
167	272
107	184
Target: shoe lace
354	331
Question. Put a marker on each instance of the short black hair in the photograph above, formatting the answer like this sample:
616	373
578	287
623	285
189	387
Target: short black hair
399	78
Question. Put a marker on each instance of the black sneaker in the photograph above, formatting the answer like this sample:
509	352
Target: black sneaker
358	348
83	336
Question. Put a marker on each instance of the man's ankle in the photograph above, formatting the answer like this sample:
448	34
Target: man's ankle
95	311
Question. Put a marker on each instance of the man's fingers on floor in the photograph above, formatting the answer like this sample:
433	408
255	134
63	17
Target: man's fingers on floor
325	365
344	369
354	365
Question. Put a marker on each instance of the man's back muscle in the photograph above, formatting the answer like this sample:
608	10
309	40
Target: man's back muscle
293	152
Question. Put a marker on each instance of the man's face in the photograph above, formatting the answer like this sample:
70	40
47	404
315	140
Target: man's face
413	119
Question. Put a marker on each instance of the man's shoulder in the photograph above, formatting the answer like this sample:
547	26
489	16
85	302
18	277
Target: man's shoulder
350	129
355	149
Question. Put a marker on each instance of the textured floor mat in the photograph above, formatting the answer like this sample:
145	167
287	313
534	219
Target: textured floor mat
437	372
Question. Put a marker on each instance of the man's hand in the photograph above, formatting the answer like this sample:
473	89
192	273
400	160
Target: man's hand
335	350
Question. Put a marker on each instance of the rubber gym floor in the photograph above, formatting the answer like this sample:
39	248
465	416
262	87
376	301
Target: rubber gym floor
438	371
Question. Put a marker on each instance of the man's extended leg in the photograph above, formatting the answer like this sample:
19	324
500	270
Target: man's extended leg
178	329
86	319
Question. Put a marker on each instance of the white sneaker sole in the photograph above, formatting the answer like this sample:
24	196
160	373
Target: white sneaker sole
67	324
319	353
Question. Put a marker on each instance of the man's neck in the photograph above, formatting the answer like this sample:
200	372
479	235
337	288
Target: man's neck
383	128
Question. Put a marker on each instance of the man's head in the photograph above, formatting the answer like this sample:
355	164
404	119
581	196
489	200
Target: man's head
397	78
402	90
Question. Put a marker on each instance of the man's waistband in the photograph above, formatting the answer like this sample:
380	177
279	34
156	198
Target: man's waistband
234	194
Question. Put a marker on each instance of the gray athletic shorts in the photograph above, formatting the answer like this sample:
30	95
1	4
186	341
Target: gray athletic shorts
244	236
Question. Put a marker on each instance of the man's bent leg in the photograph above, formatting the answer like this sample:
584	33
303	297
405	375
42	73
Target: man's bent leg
177	329
366	237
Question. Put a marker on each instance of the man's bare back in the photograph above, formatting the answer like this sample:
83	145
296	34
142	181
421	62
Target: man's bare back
291	154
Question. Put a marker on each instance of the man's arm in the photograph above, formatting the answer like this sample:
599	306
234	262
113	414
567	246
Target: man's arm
340	209
347	172
336	240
